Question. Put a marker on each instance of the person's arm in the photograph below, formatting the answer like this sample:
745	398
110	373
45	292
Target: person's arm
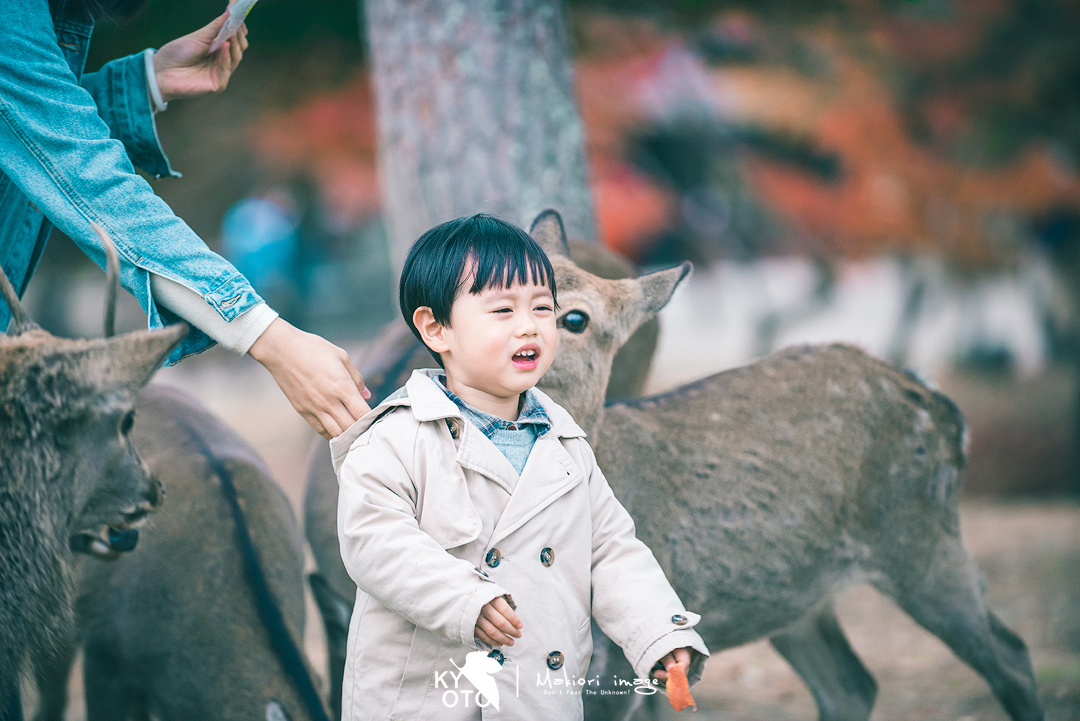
59	152
237	336
633	602
316	376
387	554
121	89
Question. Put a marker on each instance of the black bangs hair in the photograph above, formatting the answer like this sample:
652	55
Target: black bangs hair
489	251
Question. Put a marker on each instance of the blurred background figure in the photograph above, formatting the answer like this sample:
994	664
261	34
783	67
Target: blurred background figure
260	235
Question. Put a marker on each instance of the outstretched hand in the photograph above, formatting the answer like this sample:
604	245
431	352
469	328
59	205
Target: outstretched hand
185	67
316	376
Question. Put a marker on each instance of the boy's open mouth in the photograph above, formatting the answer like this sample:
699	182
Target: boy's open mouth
526	357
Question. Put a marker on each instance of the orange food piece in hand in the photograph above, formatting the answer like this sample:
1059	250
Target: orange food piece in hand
678	689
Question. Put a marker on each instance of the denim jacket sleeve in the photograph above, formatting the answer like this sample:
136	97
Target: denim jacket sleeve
55	147
120	92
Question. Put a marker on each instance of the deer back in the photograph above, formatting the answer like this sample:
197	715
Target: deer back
206	616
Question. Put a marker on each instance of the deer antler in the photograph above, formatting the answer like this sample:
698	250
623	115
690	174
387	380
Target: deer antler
18	314
112	264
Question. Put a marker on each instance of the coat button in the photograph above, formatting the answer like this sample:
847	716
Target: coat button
454	430
547	556
679	620
493	558
498	656
555	660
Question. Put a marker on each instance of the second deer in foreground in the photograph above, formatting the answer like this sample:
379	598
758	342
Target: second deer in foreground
765	490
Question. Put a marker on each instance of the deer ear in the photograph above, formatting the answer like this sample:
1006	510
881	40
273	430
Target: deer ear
127	362
548	231
657	287
645	297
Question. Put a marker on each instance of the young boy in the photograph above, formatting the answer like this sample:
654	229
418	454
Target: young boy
472	514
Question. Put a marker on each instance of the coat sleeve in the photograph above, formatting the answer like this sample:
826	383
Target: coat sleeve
633	602
384	550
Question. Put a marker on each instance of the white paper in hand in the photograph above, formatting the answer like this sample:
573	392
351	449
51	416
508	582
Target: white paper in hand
238	10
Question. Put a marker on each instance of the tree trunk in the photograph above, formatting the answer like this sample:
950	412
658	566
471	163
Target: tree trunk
476	113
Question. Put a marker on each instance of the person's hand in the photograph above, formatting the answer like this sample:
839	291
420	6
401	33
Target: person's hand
315	375
185	67
497	624
680	656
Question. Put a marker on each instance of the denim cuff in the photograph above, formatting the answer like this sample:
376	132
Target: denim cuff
123	99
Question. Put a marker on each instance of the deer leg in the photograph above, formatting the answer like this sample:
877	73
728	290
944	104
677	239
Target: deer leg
52	683
336	613
108	697
819	652
947	600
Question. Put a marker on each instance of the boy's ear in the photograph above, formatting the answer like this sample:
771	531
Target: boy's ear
431	331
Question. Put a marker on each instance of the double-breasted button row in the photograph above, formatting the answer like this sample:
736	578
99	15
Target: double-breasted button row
494	557
555	660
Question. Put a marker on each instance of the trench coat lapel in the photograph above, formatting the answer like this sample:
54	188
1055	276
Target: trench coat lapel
549	474
478	453
450	517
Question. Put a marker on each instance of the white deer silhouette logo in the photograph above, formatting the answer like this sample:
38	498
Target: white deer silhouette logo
478	669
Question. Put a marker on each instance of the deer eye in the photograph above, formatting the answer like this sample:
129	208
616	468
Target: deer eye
127	422
574	321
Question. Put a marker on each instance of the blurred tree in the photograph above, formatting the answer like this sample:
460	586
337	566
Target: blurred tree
476	112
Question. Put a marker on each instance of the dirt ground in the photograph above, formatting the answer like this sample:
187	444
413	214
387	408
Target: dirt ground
1029	551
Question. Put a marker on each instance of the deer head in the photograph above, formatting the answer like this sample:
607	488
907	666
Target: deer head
596	316
66	413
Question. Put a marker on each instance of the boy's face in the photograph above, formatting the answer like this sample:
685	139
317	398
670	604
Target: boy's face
498	344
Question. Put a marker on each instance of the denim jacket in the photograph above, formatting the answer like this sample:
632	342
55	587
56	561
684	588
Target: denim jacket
67	149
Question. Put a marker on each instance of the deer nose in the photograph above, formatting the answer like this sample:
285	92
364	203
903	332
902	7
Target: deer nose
149	503
156	496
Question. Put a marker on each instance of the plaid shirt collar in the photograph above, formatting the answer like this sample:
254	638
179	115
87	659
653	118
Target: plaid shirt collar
531	413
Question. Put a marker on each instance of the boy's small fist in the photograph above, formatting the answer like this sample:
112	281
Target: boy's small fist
497	624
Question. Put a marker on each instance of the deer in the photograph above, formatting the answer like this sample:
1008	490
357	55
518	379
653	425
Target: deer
765	490
205	618
68	470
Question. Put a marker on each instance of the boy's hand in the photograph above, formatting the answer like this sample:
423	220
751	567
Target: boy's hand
498	625
680	656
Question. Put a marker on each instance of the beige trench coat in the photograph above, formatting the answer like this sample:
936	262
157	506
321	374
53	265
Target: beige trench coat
434	522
